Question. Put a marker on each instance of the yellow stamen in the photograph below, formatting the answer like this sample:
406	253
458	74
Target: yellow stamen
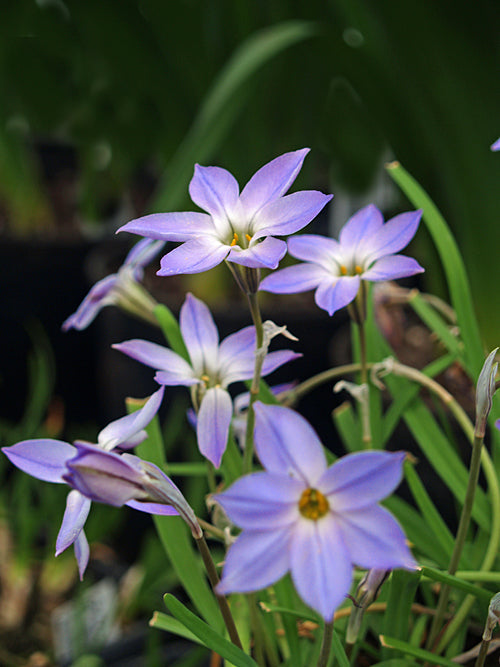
205	378
248	237
358	269
235	239
313	504
343	270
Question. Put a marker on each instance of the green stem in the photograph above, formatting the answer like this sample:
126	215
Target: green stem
222	602
463	527
292	396
365	402
254	388
326	645
261	643
483	651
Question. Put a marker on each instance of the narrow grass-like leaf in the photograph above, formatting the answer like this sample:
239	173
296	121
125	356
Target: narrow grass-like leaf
170	327
453	265
436	323
177	540
431	515
402	589
415	652
222	104
338	651
348	427
456	582
208	636
162	621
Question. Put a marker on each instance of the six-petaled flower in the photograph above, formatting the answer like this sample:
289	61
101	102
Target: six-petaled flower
212	367
239	227
366	250
300	515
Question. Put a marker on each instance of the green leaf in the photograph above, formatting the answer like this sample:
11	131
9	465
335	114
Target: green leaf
435	322
208	636
348	427
453	265
223	103
432	517
162	621
403	586
171	330
456	582
421	654
177	540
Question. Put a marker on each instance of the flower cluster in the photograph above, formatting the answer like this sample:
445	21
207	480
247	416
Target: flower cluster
298	514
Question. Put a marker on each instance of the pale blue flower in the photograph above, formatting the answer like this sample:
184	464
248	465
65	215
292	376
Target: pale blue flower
303	517
366	250
237	227
211	368
47	459
496	145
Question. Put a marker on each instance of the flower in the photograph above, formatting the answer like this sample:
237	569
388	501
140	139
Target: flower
365	251
211	368
300	515
118	288
237	227
495	146
119	479
47	459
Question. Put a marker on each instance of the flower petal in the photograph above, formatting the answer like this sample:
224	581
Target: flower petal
42	458
321	250
374	539
287	215
264	254
294	279
256	560
100	295
215	190
274	360
286	444
392	267
212	428
332	296
175	369
262	500
271	181
82	552
152	508
361	228
105	477
170	226
120	431
75	515
143	252
237	355
393	236
200	335
196	255
361	479
320	565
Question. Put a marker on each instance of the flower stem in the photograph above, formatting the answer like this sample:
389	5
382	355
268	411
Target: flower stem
463	527
221	600
326	645
365	403
254	388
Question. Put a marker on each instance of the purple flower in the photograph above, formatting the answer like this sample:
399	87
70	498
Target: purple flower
237	227
47	459
496	145
118	288
300	515
124	479
211	369
366	250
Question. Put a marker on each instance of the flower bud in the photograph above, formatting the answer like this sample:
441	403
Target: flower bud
484	393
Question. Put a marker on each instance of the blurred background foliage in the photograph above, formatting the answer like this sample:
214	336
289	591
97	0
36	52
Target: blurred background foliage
141	89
